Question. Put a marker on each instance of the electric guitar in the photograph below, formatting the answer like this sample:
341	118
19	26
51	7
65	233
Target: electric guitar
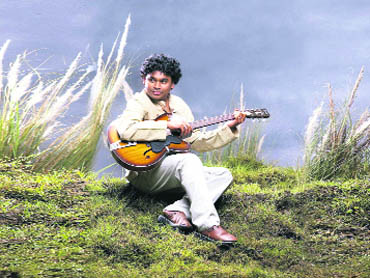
143	156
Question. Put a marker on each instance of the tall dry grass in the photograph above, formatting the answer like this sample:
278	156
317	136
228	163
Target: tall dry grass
77	146
247	147
335	146
31	108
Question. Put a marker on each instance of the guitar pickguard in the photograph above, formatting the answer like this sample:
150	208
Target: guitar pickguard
158	146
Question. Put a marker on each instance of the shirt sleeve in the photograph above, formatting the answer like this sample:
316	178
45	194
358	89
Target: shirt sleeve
214	139
203	141
132	127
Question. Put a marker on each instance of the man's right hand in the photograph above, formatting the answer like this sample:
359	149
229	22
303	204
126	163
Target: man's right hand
178	125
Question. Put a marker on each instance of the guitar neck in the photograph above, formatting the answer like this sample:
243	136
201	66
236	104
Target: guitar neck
249	113
212	121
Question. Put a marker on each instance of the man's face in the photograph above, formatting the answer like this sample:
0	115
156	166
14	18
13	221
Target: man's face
158	85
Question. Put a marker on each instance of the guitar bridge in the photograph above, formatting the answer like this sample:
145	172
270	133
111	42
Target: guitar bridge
116	145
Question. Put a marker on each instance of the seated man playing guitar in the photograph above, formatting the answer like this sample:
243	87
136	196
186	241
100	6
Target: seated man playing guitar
181	171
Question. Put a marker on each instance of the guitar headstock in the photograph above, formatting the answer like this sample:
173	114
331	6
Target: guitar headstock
256	113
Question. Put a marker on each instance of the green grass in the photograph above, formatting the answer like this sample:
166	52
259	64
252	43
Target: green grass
69	224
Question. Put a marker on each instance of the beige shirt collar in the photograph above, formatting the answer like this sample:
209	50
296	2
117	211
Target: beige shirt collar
161	103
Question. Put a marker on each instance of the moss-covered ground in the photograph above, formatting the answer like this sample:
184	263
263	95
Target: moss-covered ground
69	224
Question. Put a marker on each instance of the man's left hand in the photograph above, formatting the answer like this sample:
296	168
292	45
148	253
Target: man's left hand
239	118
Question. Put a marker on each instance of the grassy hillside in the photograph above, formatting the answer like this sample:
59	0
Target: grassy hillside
68	224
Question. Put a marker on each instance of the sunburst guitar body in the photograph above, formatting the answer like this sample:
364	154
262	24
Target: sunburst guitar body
143	156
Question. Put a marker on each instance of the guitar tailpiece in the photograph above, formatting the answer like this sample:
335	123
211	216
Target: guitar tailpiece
116	145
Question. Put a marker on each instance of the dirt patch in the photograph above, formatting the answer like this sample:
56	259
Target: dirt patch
9	274
13	217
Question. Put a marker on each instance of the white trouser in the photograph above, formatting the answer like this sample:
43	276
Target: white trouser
202	185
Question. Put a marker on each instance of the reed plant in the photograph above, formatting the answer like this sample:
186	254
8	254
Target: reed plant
335	146
248	145
246	148
76	147
31	108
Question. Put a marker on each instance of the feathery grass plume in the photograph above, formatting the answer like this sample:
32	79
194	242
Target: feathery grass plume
260	143
355	87
76	147
338	147
128	92
331	103
63	101
14	72
241	100
37	96
112	50
310	138
123	42
364	127
331	129
29	108
365	116
98	79
70	71
2	53
326	141
22	88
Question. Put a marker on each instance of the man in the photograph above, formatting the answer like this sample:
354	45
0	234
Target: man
182	172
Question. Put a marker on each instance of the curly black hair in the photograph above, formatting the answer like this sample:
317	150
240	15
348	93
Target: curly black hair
164	63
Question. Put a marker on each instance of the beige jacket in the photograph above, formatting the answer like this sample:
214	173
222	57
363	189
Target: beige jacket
137	123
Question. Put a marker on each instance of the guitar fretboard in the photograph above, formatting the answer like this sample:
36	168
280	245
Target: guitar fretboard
249	113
